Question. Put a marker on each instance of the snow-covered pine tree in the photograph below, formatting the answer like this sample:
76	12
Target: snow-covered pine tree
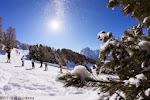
59	58
50	55
131	54
41	54
33	52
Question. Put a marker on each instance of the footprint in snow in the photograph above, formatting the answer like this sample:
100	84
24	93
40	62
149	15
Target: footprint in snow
52	94
14	84
18	66
41	88
7	87
38	85
28	68
2	92
30	88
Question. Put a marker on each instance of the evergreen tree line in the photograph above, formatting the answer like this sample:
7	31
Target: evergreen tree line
59	56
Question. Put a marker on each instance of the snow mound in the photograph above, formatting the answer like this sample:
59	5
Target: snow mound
82	72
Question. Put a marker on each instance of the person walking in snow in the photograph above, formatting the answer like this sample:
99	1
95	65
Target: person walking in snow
67	68
60	69
8	57
22	59
46	68
16	52
33	63
41	63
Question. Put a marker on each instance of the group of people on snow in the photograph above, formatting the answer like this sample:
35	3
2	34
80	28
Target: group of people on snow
46	68
33	61
17	52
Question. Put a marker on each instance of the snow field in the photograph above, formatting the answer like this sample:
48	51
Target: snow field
16	80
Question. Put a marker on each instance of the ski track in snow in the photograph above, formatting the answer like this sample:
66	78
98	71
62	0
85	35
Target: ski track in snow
16	80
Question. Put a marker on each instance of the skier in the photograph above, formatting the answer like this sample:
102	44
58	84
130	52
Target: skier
46	68
33	64
8	56
22	59
60	69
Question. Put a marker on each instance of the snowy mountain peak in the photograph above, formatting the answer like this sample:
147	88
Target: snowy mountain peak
90	53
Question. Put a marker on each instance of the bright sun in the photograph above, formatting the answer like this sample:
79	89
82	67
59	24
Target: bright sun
54	25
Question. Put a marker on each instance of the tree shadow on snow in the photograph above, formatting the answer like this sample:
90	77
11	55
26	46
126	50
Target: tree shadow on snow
4	62
27	57
28	68
18	66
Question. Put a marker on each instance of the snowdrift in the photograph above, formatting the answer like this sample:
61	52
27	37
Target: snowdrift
82	72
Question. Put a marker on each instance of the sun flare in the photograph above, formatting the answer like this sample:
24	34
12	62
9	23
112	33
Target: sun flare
54	24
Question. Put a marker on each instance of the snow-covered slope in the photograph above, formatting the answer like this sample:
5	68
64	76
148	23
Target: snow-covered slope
22	46
90	53
16	80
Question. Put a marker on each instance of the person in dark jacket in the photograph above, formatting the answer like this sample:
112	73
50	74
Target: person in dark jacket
22	59
33	63
8	56
60	68
41	63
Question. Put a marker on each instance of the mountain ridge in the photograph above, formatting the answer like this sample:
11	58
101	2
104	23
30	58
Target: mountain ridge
90	53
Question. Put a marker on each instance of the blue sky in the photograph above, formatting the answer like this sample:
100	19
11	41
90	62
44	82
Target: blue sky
80	22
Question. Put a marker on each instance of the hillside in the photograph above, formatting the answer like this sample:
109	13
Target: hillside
59	56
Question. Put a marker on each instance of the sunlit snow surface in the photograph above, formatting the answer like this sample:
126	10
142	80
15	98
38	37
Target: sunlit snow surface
16	80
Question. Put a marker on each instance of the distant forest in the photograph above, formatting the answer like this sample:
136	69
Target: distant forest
58	56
